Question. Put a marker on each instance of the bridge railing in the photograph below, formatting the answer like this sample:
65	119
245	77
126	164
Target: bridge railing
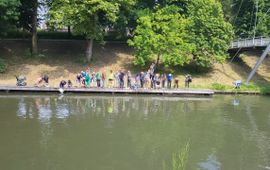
251	42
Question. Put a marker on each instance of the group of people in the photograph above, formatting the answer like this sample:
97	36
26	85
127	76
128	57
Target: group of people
119	79
122	79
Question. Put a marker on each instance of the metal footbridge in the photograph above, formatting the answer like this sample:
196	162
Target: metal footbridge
251	43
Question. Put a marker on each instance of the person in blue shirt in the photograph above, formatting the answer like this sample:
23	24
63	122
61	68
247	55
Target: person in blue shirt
169	80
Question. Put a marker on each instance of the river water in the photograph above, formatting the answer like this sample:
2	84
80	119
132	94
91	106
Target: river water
51	132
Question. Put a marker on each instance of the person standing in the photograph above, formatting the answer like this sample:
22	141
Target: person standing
98	78
111	79
163	80
121	79
93	77
87	81
142	79
138	80
152	70
116	79
79	79
176	83
188	80
103	77
129	79
169	80
154	81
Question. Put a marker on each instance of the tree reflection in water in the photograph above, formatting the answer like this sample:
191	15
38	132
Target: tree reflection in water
231	132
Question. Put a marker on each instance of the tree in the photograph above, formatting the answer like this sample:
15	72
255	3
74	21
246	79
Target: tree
34	28
180	32
8	14
86	17
251	18
209	32
161	34
28	21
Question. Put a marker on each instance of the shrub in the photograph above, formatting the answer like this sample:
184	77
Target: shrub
217	86
3	66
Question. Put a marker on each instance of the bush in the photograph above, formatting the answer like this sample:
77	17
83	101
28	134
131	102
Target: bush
3	66
217	86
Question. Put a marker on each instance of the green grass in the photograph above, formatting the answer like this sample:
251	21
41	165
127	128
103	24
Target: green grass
3	66
261	88
179	160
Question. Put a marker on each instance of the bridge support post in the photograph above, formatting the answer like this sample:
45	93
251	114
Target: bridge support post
259	62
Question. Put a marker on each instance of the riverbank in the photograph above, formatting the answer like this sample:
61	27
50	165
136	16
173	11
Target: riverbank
62	60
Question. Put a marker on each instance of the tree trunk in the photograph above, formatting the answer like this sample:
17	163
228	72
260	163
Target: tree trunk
69	31
158	59
34	29
89	49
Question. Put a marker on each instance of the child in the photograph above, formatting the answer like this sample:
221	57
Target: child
69	84
46	80
62	84
79	79
176	82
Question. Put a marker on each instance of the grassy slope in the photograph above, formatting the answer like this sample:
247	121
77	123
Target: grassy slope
63	60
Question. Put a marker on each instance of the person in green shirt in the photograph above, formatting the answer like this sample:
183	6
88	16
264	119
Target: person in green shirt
98	78
87	80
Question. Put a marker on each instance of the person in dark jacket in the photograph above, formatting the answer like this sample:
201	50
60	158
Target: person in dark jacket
188	80
62	84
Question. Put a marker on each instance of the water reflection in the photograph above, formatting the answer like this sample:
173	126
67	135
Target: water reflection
211	163
138	132
63	107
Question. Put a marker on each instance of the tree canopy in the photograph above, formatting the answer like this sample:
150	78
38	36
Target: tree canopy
200	35
162	33
174	32
8	14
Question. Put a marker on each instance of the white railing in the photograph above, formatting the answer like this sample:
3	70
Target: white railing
250	42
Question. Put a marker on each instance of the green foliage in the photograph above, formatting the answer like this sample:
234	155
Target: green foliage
162	33
3	66
87	18
8	14
244	16
26	15
27	53
218	86
210	33
180	37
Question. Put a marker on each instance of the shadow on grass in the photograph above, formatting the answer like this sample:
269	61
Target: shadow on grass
244	69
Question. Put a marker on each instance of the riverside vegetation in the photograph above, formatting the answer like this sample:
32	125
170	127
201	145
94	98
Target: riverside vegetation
175	34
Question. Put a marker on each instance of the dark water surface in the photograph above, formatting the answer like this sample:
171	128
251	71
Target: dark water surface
49	132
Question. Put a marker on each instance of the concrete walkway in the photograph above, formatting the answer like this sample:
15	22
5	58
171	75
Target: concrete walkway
184	92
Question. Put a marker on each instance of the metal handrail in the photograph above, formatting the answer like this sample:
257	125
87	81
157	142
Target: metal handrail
250	42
